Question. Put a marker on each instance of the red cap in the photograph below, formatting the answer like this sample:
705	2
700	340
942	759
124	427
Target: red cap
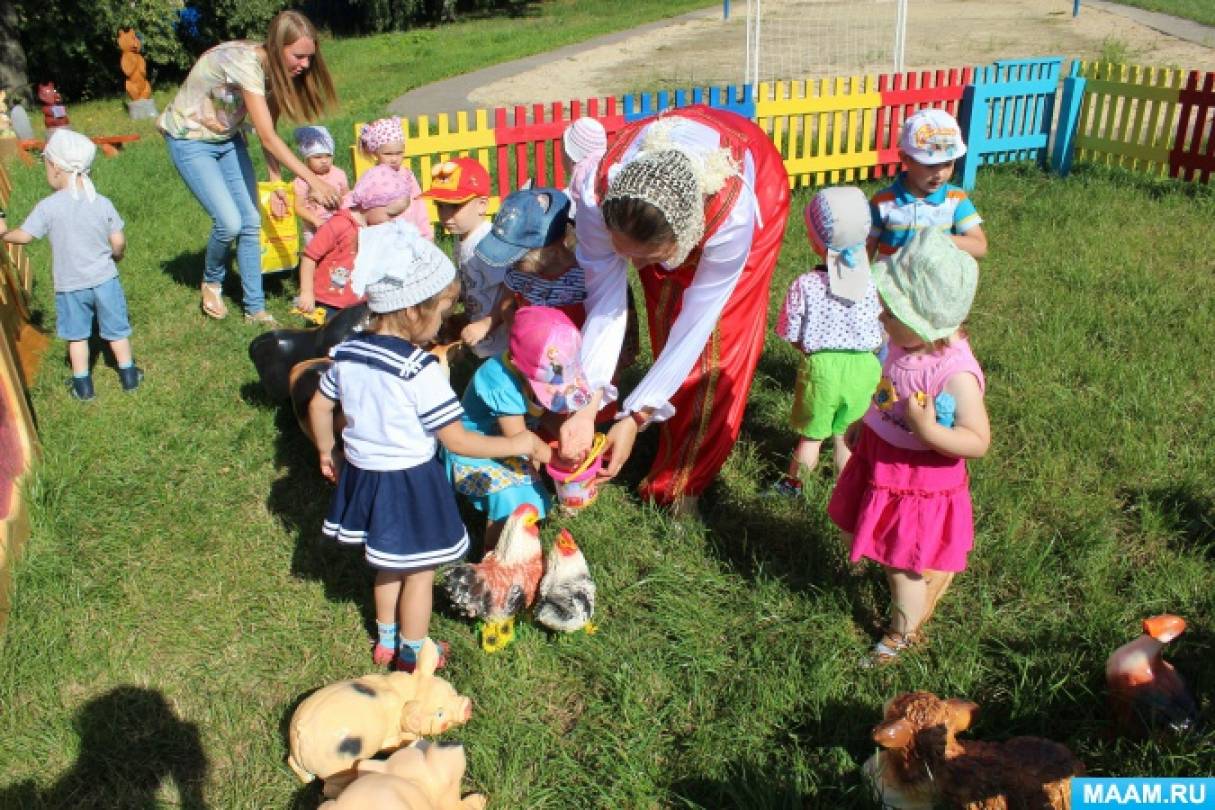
457	180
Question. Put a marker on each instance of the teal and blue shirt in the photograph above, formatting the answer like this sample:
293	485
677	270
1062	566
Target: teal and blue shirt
898	214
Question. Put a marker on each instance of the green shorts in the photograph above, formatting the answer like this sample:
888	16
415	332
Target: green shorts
833	390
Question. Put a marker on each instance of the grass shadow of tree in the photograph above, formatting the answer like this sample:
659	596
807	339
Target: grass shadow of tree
131	742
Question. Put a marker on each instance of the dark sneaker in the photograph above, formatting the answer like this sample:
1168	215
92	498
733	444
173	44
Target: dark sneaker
81	388
130	376
786	487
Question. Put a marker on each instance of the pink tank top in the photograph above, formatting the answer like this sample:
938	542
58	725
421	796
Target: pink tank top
906	374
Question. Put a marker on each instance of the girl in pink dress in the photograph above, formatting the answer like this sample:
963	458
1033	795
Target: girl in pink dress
903	499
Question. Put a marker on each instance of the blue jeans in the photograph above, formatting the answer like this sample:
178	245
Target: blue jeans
220	175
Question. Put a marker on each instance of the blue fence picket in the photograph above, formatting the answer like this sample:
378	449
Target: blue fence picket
1064	149
736	98
1008	112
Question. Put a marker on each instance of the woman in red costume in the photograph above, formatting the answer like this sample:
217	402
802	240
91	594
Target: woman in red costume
697	200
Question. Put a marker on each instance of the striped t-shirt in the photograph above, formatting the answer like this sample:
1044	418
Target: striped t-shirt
898	214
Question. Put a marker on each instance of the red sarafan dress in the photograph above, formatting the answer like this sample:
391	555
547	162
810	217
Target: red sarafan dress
708	316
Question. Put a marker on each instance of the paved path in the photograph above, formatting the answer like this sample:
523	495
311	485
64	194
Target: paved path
451	95
1165	23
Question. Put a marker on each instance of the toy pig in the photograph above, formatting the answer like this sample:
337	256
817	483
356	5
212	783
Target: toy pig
349	721
424	776
1146	693
54	114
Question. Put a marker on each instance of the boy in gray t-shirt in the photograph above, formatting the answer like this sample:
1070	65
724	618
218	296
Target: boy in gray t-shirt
86	241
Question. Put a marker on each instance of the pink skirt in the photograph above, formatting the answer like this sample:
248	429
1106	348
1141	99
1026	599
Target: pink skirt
906	509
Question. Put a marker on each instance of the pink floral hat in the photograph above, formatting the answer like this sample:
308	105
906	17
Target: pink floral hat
544	347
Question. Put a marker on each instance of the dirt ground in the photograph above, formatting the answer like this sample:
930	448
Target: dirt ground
940	33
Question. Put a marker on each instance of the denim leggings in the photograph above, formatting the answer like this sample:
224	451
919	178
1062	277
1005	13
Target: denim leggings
220	175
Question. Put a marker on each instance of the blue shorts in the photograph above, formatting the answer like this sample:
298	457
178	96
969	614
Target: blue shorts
74	312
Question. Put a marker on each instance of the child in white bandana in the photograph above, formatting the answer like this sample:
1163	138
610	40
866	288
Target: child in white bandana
86	242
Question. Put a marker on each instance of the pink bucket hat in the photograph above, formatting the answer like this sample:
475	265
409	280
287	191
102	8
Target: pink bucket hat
544	347
584	138
379	185
381	132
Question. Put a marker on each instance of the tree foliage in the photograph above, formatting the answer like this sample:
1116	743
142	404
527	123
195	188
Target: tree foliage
74	42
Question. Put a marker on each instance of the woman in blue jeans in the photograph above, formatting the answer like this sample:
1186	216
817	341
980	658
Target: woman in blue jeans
204	129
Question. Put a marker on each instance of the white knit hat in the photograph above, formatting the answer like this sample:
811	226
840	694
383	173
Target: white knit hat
584	138
398	268
73	153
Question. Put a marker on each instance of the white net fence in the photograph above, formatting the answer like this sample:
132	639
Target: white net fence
799	39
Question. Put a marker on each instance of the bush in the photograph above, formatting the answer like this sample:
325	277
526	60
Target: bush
74	43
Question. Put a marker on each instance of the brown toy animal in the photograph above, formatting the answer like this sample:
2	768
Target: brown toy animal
349	721
424	776
923	765
54	114
133	65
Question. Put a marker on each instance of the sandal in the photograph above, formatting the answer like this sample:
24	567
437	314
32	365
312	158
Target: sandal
889	647
402	665
262	318
213	301
382	656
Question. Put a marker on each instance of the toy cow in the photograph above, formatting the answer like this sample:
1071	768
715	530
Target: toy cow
423	776
54	114
349	721
923	765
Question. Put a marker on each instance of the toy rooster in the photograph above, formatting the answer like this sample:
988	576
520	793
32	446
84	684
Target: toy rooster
504	582
567	594
1146	693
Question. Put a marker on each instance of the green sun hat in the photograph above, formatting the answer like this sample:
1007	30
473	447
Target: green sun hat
929	284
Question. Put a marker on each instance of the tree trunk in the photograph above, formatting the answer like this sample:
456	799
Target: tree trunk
13	76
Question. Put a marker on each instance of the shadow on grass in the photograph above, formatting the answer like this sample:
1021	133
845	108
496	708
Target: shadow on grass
131	741
187	270
1186	514
823	751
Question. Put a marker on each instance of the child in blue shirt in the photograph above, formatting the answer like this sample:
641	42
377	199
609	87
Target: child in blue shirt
539	373
930	143
86	242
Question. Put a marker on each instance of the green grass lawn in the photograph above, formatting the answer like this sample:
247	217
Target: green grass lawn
176	601
1198	10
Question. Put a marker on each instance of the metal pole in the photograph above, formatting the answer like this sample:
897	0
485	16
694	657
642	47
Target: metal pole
725	9
1076	8
900	35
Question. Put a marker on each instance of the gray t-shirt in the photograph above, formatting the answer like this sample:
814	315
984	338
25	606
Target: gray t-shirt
81	256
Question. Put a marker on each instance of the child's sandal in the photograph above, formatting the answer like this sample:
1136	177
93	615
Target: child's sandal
213	305
382	656
890	646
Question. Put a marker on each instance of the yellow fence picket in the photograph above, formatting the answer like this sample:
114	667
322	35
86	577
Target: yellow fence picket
1129	115
823	128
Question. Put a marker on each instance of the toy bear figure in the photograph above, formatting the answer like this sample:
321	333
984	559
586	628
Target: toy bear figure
133	65
54	114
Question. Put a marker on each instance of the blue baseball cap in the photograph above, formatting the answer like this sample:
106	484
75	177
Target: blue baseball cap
528	219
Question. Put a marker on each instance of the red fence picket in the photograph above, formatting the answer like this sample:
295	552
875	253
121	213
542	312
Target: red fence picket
1193	154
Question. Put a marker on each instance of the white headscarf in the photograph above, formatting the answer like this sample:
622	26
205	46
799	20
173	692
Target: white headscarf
73	153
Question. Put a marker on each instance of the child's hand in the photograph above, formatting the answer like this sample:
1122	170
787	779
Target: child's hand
398	207
306	303
331	465
278	204
476	331
536	448
921	413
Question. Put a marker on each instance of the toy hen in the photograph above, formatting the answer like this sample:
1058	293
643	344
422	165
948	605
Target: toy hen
567	594
1146	693
505	580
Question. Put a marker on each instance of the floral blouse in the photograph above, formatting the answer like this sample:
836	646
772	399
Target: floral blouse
209	105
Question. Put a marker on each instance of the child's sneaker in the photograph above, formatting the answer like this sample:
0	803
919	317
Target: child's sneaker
408	662
786	487
890	647
382	656
130	377
81	388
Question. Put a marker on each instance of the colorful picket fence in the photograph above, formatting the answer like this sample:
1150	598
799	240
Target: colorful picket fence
845	129
21	349
1008	114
